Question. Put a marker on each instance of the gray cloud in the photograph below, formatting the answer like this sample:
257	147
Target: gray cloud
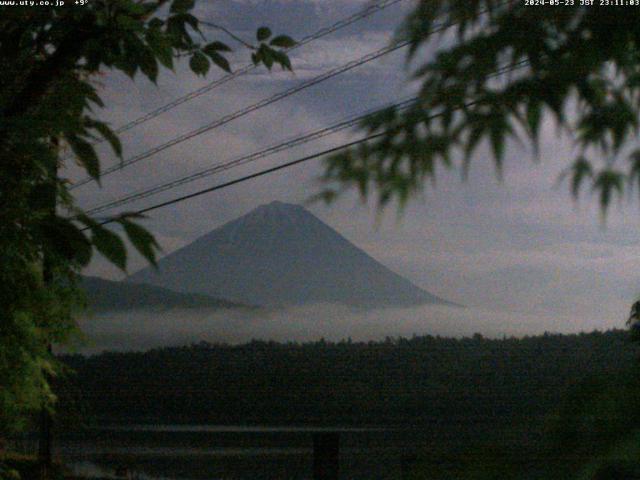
520	251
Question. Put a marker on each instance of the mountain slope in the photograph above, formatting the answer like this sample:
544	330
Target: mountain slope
281	254
106	295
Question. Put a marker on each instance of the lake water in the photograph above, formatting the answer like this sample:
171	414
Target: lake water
232	452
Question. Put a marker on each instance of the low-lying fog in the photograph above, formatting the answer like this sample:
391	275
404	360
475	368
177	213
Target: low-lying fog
145	329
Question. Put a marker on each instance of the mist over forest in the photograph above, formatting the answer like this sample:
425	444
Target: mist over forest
151	328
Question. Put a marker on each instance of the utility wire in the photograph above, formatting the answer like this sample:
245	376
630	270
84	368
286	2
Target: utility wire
283	166
356	17
268	101
249	177
283	146
219	167
261	104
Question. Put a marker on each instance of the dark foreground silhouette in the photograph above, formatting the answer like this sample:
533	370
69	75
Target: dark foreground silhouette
554	406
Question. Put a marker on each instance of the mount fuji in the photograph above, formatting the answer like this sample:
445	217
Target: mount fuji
279	255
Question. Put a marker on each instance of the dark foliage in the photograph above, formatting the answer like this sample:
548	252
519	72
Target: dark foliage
427	380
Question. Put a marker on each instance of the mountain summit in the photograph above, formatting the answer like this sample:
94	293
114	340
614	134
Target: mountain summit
282	254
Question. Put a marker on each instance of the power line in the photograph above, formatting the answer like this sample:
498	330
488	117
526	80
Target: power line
263	103
251	176
292	163
323	32
356	17
270	100
283	146
216	168
253	107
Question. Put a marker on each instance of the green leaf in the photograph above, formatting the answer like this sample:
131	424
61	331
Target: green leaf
108	134
214	47
86	155
143	241
497	131
161	47
164	54
282	41
128	65
149	64
327	196
633	176
177	31
182	6
534	115
282	59
263	33
110	245
199	64
63	238
267	57
220	61
581	170
608	182
191	20
90	92
475	136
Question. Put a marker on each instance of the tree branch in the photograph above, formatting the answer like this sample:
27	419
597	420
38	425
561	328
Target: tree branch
228	32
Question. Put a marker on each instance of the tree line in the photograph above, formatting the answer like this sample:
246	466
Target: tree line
423	379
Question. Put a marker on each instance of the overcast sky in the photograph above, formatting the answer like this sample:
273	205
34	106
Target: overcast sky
521	248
